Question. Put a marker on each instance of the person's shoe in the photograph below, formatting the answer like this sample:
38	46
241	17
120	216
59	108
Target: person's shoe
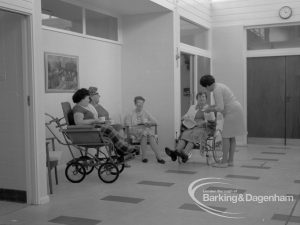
230	164
161	161
184	157
220	165
171	153
145	160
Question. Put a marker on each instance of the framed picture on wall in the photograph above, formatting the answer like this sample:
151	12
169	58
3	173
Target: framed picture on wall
61	73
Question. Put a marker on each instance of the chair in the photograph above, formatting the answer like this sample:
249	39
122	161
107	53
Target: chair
68	113
82	138
52	159
132	140
213	143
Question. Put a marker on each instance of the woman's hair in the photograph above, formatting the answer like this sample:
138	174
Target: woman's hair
207	80
138	98
199	94
80	94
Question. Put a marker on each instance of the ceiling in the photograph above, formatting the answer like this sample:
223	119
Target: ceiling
126	7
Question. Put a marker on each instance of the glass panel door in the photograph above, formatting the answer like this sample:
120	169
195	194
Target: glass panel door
187	81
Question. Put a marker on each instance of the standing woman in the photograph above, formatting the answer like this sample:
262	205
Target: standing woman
234	124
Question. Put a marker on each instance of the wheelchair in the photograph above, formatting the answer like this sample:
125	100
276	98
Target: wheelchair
211	146
108	163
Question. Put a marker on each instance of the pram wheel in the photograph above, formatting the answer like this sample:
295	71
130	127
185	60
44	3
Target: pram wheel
87	163
75	172
108	172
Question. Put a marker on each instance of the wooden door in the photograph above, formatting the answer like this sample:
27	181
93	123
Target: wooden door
293	97
266	97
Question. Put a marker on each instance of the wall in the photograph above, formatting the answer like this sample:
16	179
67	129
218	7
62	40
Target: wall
148	68
228	61
228	38
254	12
198	11
99	66
17	5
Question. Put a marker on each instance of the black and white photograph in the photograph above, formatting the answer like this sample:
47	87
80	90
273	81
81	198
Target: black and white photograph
150	112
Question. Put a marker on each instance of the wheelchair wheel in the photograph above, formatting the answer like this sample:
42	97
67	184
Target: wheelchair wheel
108	172
217	149
87	163
75	172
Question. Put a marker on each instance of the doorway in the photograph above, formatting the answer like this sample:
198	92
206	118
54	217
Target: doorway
14	121
274	99
192	68
187	81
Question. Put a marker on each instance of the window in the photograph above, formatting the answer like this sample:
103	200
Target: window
193	34
62	15
273	37
65	16
101	25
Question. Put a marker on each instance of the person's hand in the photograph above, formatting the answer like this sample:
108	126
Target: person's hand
206	109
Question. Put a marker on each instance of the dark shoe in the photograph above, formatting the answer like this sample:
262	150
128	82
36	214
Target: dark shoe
184	157
171	153
161	161
145	160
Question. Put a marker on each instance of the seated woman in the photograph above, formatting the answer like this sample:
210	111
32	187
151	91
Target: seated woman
102	112
85	113
140	122
195	122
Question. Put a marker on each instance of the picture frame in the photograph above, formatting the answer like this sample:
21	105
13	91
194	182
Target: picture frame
61	73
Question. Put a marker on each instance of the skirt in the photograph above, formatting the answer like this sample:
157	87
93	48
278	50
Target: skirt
234	123
195	135
140	132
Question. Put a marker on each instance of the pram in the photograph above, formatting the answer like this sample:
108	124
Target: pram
211	146
82	138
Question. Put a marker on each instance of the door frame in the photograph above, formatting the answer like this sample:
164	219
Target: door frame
194	52
27	64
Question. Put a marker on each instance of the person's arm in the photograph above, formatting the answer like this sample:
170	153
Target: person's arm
190	113
150	118
219	102
78	119
210	116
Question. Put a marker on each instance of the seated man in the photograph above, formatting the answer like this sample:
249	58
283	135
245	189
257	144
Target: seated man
102	112
86	114
196	129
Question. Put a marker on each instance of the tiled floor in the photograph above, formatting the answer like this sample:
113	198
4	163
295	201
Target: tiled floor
158	194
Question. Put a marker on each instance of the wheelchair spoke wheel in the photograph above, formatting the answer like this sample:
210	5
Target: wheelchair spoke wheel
217	150
108	172
75	172
87	163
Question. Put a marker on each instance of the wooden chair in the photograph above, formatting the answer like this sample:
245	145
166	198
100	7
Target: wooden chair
52	159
